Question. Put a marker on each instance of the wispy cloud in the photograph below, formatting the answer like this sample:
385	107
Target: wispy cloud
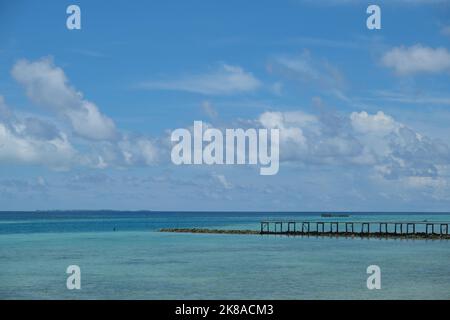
222	180
323	42
307	69
224	80
89	53
410	98
209	110
445	30
417	59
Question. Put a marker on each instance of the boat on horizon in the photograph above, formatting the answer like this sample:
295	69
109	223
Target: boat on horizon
334	215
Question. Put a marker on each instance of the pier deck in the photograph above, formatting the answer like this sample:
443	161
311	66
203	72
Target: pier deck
361	228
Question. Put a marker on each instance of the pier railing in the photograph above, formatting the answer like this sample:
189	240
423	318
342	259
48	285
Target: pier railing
356	227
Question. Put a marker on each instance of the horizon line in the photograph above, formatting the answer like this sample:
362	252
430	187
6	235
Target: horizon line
220	211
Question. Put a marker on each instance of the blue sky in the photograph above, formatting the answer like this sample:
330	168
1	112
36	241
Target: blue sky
86	115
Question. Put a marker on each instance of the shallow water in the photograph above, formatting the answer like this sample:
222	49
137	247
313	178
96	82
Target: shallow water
137	262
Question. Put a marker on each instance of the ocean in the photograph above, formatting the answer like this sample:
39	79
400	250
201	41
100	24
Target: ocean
123	256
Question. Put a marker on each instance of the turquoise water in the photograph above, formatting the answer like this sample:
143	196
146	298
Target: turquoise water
137	262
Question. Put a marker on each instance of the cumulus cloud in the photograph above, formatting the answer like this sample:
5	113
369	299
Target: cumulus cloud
138	151
129	151
379	124
225	80
417	59
48	86
378	141
35	141
310	139
292	126
32	141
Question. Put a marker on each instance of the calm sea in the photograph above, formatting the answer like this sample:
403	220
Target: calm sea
123	256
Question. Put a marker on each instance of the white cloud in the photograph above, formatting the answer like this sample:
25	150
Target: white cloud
426	182
378	141
32	141
209	109
417	59
16	148
416	98
307	69
223	181
47	85
277	88
227	79
360	139
138	151
379	124
306	138
290	123
129	151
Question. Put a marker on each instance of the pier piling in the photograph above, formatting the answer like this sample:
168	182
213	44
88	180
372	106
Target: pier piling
368	227
289	226
322	224
347	224
385	227
303	227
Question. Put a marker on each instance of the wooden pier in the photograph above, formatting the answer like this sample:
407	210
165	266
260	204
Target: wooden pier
422	229
437	230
